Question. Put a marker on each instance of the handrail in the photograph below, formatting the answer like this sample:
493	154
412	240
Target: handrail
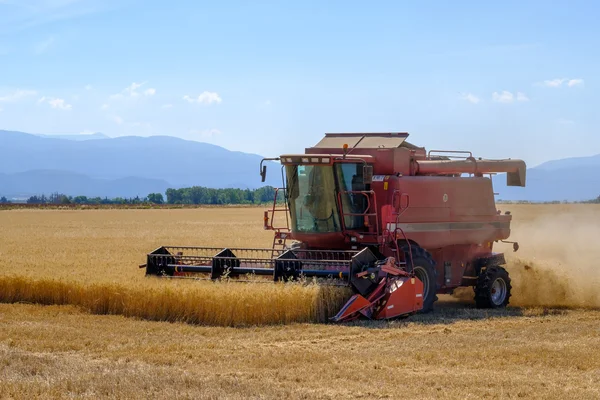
451	152
398	211
371	205
269	225
397	224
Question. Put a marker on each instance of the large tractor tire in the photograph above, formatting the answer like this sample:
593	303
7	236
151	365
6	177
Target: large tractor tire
493	288
424	268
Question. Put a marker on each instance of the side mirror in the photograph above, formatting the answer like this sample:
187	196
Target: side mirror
367	174
263	173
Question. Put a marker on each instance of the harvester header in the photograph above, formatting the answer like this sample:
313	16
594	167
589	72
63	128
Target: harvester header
370	210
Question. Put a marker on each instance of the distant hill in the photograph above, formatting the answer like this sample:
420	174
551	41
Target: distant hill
91	136
151	164
130	166
570	179
25	184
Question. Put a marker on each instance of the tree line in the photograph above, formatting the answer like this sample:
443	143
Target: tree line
203	195
193	195
595	201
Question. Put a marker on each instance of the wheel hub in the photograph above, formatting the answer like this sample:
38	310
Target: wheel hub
498	292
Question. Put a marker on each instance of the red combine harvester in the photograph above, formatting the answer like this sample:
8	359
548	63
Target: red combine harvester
370	210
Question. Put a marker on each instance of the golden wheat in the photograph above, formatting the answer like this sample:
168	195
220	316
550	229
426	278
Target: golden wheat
88	258
455	352
207	303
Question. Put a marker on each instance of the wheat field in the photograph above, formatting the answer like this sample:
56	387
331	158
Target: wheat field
94	255
544	346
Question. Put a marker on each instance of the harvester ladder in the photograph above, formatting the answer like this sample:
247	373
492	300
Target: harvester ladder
282	233
398	233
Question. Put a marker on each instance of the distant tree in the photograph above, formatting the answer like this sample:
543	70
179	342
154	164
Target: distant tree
34	200
190	195
81	200
54	198
174	196
58	198
156	198
4	200
203	195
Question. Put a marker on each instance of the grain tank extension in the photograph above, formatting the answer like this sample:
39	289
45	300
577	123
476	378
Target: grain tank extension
370	210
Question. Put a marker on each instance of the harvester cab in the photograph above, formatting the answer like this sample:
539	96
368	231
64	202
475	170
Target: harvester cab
372	211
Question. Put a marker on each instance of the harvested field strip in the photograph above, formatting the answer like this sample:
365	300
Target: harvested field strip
197	302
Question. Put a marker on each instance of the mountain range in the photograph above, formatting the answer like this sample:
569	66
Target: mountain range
90	136
125	166
568	179
97	165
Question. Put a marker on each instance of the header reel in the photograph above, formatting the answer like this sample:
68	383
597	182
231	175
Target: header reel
383	289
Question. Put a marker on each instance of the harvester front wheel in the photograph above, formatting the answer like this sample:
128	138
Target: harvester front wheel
424	268
493	288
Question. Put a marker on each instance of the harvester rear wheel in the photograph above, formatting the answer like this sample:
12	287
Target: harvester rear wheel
493	288
424	268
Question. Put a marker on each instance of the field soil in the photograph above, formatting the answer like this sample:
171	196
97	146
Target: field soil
545	345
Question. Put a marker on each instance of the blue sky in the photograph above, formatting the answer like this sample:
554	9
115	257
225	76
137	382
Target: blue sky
504	79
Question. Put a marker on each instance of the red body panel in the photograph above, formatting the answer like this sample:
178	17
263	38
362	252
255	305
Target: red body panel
454	217
403	296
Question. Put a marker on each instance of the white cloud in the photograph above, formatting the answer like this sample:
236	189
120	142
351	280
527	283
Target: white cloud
86	132
206	133
575	82
17	95
558	82
507	97
104	107
116	119
204	98
165	106
470	97
56	103
132	91
88	87
503	97
553	82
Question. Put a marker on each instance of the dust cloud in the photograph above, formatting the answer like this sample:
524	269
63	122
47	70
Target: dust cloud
557	263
